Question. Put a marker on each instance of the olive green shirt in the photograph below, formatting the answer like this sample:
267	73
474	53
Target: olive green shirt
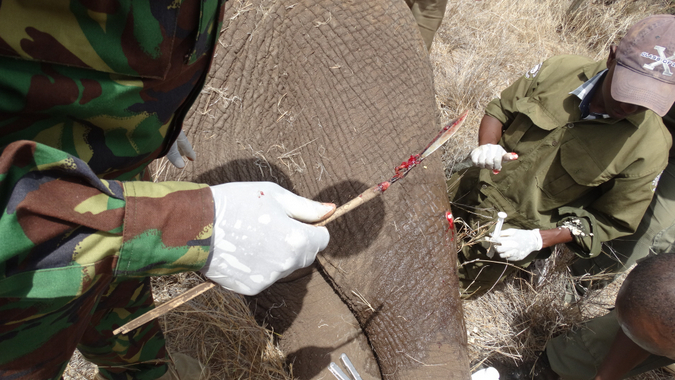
600	173
669	121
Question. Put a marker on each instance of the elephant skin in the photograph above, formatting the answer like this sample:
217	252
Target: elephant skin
326	98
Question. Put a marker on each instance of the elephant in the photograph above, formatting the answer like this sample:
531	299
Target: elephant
326	98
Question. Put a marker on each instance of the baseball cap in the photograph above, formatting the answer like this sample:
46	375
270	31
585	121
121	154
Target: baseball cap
645	70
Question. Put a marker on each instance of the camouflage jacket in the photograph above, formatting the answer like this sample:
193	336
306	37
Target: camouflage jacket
90	93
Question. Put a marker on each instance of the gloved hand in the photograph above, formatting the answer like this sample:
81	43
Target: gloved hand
259	237
490	156
181	147
515	244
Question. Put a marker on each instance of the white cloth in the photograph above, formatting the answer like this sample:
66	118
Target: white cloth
259	235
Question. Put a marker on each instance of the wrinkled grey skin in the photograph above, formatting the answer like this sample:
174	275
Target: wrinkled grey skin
326	98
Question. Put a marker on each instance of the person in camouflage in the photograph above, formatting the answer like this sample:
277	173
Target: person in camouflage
90	94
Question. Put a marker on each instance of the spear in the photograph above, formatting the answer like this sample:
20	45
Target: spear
399	173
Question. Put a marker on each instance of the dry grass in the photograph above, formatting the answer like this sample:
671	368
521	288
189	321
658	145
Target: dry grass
218	328
481	48
513	322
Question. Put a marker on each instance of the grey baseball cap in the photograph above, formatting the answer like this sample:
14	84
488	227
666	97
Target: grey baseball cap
645	71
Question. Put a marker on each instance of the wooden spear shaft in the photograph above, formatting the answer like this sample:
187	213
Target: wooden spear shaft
359	200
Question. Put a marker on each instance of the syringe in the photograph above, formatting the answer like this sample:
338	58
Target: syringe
498	229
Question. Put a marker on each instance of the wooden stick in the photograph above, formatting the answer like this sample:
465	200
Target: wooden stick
354	203
165	307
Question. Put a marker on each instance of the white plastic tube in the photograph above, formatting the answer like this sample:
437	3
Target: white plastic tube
498	229
500	222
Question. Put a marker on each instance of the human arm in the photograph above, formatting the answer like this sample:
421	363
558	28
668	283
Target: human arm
490	130
489	154
614	211
499	113
623	355
181	147
260	235
516	244
555	236
63	224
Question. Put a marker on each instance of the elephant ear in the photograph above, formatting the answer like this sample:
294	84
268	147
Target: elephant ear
326	98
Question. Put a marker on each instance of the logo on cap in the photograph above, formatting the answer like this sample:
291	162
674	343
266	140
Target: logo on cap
662	59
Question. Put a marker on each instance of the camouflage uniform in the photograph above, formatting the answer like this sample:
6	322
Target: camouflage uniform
90	93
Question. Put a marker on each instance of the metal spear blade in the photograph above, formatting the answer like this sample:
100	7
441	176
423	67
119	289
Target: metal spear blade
444	135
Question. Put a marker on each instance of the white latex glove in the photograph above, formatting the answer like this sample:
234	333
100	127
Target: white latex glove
259	235
515	245
181	147
489	373
491	156
488	156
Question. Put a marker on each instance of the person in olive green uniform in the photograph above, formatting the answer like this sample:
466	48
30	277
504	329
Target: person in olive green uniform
590	145
656	232
635	337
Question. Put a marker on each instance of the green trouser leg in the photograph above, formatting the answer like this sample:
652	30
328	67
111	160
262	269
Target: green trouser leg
139	354
577	355
39	335
655	234
429	15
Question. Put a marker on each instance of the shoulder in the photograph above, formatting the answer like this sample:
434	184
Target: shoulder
653	127
650	143
564	66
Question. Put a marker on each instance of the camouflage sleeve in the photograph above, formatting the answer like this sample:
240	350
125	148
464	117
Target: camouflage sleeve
60	221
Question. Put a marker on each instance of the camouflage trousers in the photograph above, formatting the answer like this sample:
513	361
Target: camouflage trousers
38	336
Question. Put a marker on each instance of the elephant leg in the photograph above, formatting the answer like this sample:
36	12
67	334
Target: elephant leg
315	326
326	97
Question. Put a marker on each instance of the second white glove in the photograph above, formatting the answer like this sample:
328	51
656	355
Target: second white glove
515	244
259	235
